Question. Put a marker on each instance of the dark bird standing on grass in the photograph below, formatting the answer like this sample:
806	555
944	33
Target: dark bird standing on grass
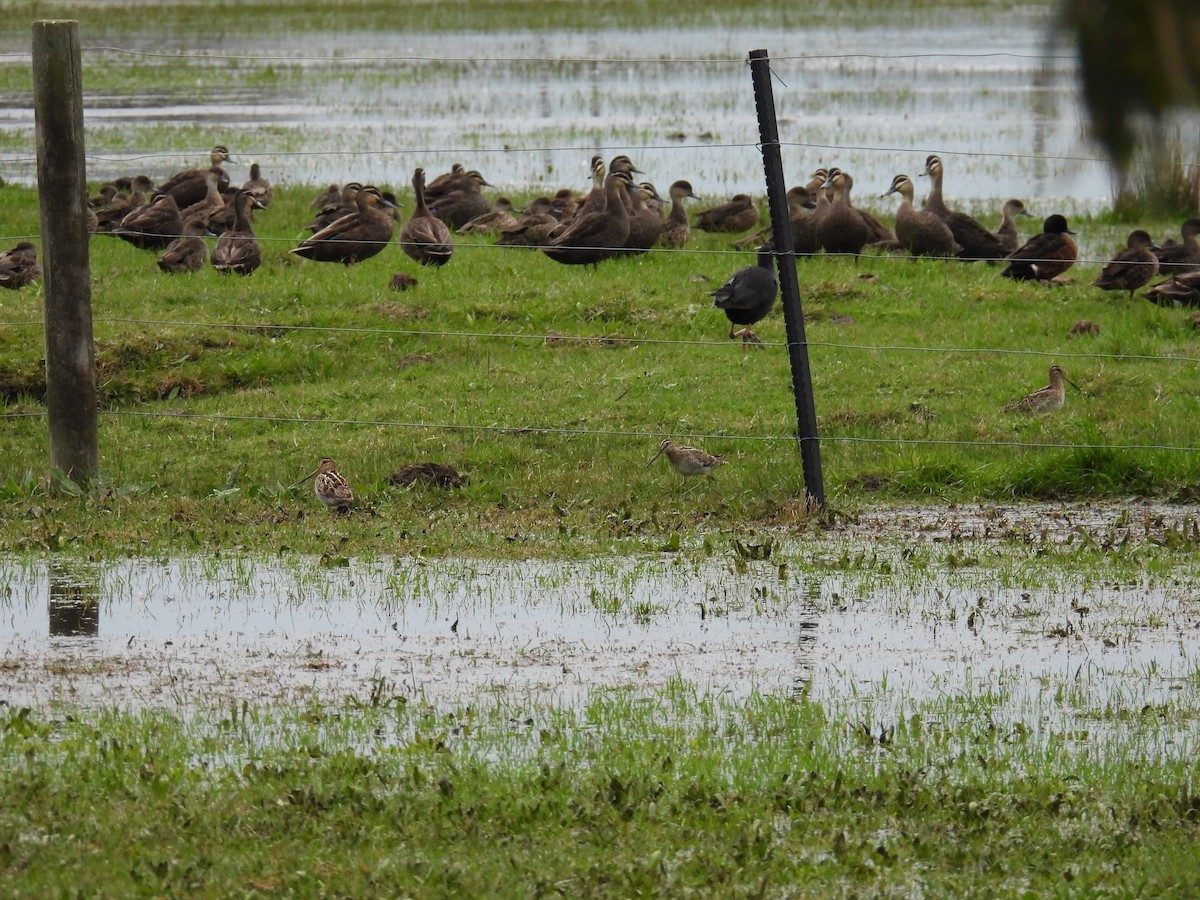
425	237
237	248
187	253
19	266
331	487
687	460
353	237
748	296
1132	267
1044	256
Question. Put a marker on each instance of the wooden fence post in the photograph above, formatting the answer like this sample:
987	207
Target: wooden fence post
789	284
62	193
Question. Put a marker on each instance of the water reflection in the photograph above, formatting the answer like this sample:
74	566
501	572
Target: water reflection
74	599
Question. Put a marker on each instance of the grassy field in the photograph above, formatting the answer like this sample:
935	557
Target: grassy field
551	386
680	795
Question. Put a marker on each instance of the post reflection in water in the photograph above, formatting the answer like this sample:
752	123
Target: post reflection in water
74	601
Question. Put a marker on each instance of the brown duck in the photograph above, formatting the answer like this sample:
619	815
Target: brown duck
1131	268
354	237
188	186
19	266
425	237
237	249
1182	290
153	226
921	232
975	242
533	228
594	236
739	214
345	204
212	203
495	220
1175	258
259	186
1007	234
109	217
1044	256
645	224
187	253
458	207
677	229
841	229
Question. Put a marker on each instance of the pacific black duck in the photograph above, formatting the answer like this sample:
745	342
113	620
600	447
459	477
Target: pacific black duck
645	224
594	200
1182	290
259	186
446	182
533	227
1175	258
331	194
188	186
237	249
1132	267
748	296
677	229
153	226
1044	256
842	229
188	252
425	237
594	236
121	205
739	214
921	232
495	220
210	205
975	241
1007	234
458	207
345	204
354	237
19	266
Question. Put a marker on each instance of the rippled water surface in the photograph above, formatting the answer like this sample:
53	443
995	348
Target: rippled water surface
529	108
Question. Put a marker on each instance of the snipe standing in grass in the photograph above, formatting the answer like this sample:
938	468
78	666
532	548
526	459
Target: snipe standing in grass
1047	399
687	460
331	487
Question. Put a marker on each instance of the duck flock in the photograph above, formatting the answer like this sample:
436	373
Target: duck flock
618	216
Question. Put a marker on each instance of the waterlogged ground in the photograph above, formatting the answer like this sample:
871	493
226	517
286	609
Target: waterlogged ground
875	626
872	94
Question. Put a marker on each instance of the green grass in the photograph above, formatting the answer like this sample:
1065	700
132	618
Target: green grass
669	796
550	387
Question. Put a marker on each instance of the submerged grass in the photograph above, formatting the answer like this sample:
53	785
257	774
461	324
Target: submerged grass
669	796
549	387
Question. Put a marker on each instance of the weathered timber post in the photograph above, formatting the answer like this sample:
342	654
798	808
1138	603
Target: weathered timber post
789	284
62	191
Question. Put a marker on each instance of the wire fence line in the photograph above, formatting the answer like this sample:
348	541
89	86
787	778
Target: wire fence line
521	430
594	339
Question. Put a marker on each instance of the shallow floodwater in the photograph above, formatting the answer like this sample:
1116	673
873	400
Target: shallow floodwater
529	108
1059	656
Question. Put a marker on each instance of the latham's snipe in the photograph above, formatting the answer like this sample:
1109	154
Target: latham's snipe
331	487
687	460
1047	399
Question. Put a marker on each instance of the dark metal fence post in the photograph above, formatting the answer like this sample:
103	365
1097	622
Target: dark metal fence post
789	284
62	192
